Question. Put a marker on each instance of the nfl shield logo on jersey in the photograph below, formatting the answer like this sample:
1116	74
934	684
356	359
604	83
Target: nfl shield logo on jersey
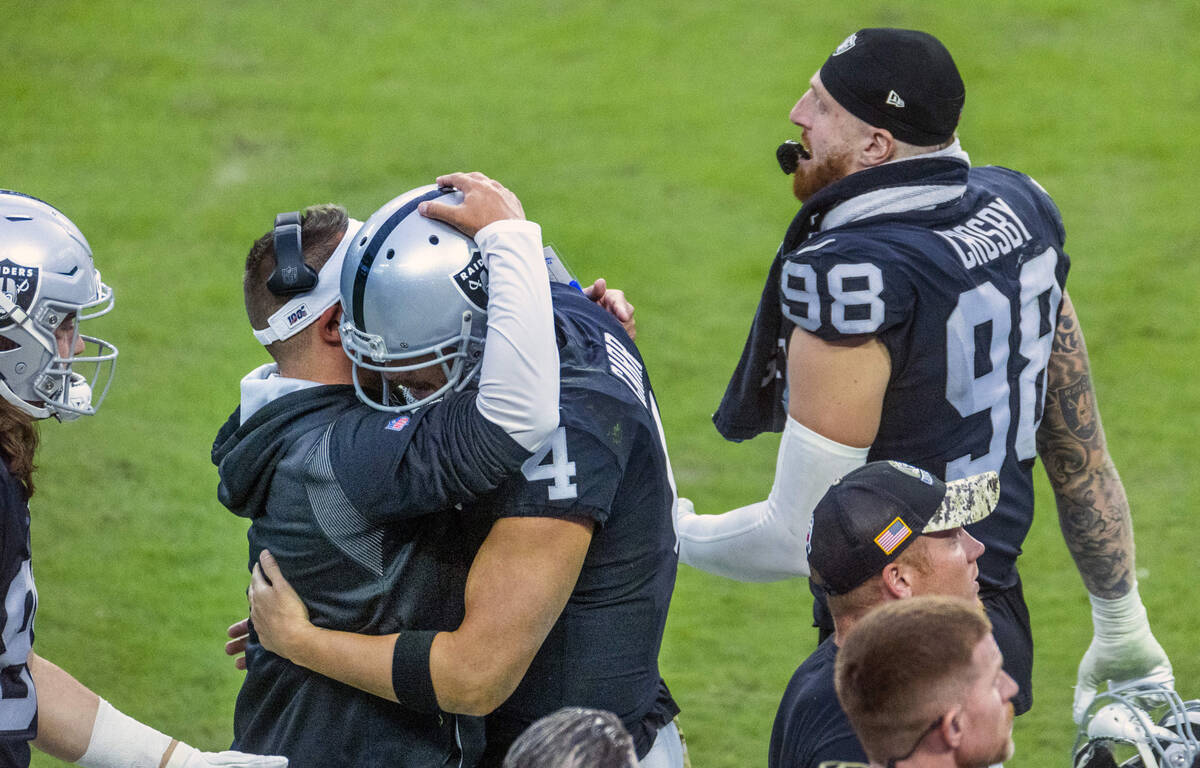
398	423
19	284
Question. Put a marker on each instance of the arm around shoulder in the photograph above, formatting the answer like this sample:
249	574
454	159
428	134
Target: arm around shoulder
518	382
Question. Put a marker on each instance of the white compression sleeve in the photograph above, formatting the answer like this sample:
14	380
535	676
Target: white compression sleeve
119	741
767	541
518	380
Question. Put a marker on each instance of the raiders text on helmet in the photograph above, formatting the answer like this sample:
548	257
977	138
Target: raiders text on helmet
46	278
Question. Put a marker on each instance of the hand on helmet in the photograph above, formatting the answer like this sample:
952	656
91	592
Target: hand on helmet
485	201
1123	651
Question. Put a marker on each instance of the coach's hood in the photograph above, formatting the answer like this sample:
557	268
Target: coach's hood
247	454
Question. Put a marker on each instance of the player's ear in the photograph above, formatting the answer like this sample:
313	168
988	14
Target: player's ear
951	729
329	325
897	580
879	147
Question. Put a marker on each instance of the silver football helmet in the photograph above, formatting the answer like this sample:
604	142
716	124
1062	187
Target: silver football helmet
414	295
47	278
1140	726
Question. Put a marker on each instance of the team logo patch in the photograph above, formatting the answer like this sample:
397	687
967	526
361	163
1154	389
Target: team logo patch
894	100
893	536
847	44
398	423
472	281
912	471
19	284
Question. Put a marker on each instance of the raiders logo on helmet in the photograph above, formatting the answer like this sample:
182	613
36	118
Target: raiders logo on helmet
20	284
472	281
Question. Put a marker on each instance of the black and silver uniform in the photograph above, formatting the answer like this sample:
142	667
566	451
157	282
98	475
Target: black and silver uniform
607	462
18	700
959	272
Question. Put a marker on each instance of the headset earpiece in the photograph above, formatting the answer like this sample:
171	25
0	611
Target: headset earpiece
291	275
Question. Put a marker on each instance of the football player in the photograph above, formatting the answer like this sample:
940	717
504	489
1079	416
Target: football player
49	287
916	311
567	596
339	491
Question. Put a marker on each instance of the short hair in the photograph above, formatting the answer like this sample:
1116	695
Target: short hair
866	595
321	229
574	737
903	665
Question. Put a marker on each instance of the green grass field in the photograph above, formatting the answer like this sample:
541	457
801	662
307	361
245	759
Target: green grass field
641	136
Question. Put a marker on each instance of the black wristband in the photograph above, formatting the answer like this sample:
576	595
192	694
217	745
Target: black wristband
411	680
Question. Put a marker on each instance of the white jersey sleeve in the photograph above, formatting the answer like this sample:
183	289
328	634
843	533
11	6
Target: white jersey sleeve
768	541
518	380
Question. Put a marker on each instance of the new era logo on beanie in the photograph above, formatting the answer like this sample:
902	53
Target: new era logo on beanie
866	519
872	68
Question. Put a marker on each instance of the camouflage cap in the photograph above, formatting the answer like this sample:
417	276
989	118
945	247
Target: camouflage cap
867	518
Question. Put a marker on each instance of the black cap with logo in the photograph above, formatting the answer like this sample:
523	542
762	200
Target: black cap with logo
898	79
866	519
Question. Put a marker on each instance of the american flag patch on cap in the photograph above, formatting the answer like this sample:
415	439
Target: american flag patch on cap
893	536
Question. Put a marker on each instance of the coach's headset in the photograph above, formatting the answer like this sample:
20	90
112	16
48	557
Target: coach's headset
291	275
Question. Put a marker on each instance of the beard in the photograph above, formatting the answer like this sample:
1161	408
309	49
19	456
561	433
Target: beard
813	175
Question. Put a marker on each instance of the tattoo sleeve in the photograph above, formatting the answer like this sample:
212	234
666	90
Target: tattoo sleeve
1093	511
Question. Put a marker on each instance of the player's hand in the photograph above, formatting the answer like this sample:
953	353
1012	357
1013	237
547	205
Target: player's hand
239	634
485	201
1123	651
613	301
184	756
279	616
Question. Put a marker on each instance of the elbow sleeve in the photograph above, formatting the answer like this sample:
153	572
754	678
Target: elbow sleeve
767	541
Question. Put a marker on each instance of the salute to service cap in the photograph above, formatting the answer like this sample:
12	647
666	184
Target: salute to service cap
866	519
898	79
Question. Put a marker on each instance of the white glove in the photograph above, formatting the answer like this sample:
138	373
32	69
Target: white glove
1123	650
119	741
185	756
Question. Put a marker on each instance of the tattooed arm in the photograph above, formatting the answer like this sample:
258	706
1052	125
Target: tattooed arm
1093	513
1092	509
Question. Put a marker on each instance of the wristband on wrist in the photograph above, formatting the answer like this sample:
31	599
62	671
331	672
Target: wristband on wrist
411	680
1118	615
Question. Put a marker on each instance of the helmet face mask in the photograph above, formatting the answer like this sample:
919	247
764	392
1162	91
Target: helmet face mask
1140	726
47	278
414	296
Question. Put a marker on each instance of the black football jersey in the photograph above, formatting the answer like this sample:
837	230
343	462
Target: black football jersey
18	700
966	299
606	462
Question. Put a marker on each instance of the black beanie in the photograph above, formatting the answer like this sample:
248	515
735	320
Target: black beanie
898	79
